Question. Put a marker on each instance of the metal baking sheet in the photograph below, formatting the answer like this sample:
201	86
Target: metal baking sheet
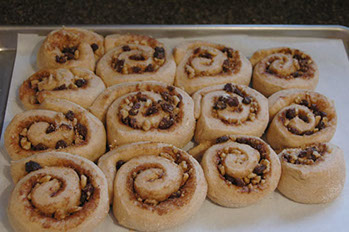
273	213
8	39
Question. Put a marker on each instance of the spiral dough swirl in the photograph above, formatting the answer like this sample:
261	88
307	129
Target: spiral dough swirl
153	186
300	117
57	191
201	64
240	170
132	58
229	109
57	125
277	69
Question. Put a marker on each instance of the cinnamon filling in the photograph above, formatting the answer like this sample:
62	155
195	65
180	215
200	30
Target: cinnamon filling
250	181
321	117
306	156
141	111
235	101
179	197
57	133
230	65
140	60
301	65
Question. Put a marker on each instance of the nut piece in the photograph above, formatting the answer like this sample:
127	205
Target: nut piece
185	178
221	169
44	179
146	125
83	181
151	201
166	156
183	165
25	144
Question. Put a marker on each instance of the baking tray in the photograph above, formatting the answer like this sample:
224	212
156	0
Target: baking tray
8	39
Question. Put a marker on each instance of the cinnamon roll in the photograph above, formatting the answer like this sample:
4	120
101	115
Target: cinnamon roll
282	68
70	47
57	125
300	117
240	170
229	109
312	174
146	111
77	85
202	64
132	58
154	186
57	191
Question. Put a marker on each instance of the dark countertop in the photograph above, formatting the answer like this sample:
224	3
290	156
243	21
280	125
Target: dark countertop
34	12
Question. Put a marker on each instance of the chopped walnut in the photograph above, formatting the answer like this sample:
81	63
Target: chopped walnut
25	144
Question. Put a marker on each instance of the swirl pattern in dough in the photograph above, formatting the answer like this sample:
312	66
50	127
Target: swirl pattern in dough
132	58
57	125
77	85
300	117
312	174
70	47
201	64
57	191
240	170
154	186
282	68
229	109
146	111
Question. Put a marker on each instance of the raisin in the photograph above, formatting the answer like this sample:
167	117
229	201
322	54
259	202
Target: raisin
70	115
176	194
137	57
141	97
159	53
40	147
228	87
232	101
151	110
165	95
119	164
290	113
86	193
321	125
136	69
304	103
166	123
170	88
126	48
197	50
238	92
125	120
132	122
296	74
80	82
303	117
136	106
81	129
219	105
206	55
246	100
61	144
70	56
60	59
293	131
119	65
229	52
259	169
222	139
31	166
236	181
94	47
167	107
149	68
309	132
61	87
225	66
133	112
51	128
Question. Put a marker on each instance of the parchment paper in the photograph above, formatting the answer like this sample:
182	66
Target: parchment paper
275	212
